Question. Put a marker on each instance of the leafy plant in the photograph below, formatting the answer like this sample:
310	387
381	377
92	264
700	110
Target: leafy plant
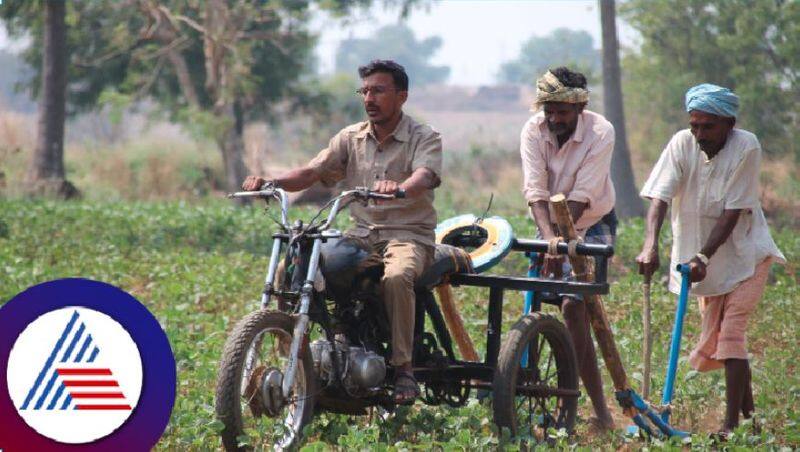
199	268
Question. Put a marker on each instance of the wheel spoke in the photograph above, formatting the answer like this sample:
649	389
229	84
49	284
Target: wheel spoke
271	354
549	362
531	410
540	410
539	348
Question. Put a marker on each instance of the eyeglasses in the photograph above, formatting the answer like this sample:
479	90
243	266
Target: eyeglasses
375	90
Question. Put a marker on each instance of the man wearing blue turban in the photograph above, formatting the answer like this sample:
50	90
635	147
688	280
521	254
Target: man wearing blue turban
712	99
709	173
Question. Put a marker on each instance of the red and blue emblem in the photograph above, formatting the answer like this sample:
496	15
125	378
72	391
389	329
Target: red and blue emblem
84	365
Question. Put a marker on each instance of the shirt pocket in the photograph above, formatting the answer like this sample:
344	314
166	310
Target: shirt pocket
714	200
397	166
359	167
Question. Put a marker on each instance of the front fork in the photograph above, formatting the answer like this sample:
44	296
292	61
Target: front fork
269	283
301	322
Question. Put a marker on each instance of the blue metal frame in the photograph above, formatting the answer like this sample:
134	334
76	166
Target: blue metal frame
532	302
661	419
675	348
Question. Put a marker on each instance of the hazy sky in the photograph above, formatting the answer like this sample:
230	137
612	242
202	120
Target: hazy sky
478	35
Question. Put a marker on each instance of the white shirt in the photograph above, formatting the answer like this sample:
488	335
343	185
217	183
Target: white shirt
699	190
580	169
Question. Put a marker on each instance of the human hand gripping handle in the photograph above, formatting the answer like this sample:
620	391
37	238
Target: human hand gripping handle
388	187
696	269
552	265
648	263
253	183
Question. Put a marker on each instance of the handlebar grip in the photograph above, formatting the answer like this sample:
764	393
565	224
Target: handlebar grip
400	193
250	194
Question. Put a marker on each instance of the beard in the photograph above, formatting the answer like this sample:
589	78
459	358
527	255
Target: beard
709	147
560	129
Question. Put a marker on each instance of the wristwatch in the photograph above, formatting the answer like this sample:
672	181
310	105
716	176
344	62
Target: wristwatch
703	258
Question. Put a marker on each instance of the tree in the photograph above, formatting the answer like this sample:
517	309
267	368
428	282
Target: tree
628	202
46	173
752	47
328	102
562	47
398	43
212	65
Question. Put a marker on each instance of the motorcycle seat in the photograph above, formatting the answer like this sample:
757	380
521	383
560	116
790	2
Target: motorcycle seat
342	259
447	260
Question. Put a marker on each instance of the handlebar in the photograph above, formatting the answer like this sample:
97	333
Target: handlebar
362	193
398	194
268	191
584	249
252	194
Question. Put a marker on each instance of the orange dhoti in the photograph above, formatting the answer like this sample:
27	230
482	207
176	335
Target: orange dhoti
725	322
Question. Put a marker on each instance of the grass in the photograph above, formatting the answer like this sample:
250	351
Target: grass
199	268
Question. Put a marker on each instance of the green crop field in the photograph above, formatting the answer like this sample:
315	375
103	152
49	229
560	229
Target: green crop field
200	267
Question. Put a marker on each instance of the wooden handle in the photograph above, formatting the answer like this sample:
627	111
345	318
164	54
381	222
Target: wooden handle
584	271
455	324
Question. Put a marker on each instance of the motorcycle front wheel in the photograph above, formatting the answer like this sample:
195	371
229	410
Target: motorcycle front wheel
248	398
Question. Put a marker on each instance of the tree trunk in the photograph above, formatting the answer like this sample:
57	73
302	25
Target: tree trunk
628	202
231	144
46	174
227	105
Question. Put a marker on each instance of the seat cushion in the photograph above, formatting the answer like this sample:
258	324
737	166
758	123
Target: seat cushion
446	260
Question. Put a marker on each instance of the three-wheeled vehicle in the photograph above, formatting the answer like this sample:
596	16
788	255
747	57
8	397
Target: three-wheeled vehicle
319	341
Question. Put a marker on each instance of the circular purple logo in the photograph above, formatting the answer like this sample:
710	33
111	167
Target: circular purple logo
85	367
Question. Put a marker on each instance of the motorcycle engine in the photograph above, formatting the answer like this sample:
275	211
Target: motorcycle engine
364	371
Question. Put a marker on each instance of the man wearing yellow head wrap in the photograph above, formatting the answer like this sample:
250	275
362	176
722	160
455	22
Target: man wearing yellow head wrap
567	149
549	88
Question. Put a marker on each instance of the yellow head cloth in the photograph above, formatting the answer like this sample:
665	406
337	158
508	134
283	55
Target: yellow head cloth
550	89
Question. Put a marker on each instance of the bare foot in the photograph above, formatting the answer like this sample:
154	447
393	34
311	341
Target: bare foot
601	426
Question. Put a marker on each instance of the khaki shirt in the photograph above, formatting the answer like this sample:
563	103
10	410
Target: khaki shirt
580	169
355	158
699	190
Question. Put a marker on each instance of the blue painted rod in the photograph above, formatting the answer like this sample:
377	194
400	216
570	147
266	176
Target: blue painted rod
533	272
675	348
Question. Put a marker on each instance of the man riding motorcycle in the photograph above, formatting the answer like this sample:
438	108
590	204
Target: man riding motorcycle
390	152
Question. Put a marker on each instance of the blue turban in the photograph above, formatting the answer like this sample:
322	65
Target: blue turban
712	99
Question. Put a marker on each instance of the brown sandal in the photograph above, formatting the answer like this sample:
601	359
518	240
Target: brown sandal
406	388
